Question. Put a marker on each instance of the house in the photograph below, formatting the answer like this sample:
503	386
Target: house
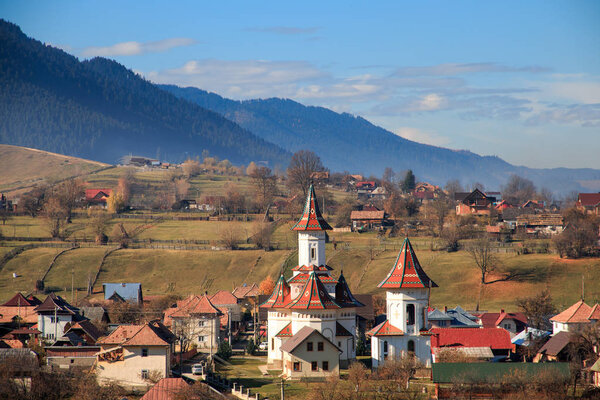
589	202
19	311
166	389
309	354
407	296
320	176
54	316
595	371
20	338
79	333
488	342
456	317
526	341
187	204
65	357
131	292
94	313
197	319
503	205
312	297
19	362
545	223
476	202
533	205
132	354
367	220
246	292
378	193
426	191
512	322
364	189
229	305
558	348
575	317
97	197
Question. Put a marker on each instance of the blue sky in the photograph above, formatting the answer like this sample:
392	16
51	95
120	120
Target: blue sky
520	80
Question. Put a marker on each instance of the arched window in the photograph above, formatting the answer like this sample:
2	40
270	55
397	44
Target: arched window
411	346
385	349
410	314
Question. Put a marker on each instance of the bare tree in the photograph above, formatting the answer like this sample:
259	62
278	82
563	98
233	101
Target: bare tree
265	184
303	164
230	235
261	234
441	208
70	193
98	222
191	168
484	257
518	190
54	215
538	309
453	186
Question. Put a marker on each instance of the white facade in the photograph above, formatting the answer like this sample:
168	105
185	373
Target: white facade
200	331
395	347
53	327
311	248
136	366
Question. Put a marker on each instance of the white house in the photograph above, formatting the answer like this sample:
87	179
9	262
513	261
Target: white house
133	355
575	317
406	329
53	316
311	297
196	319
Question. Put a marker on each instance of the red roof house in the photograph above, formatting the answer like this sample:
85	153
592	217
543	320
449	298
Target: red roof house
97	196
589	202
512	322
496	339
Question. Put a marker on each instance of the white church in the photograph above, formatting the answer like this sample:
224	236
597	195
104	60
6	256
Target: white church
311	305
406	329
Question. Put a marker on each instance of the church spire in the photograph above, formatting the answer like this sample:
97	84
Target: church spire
407	272
311	219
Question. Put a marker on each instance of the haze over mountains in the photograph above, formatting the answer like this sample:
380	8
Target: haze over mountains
100	110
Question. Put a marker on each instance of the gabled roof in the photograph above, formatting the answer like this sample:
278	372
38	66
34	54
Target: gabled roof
495	338
595	313
311	219
578	313
341	331
385	329
556	344
491	320
407	272
196	305
223	297
128	291
286	331
313	296
292	343
281	295
151	334
166	389
54	302
87	327
437	315
343	295
93	312
26	313
18	300
589	199
246	291
370	215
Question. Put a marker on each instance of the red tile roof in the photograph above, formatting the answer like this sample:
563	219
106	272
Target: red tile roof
407	272
492	320
151	334
246	291
595	313
303	277
577	313
27	314
313	296
589	199
494	338
367	215
193	305
308	268
311	219
385	329
223	297
97	194
166	389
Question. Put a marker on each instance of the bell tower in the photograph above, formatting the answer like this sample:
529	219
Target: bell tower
311	229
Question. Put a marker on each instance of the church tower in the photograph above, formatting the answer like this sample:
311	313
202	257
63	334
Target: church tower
407	299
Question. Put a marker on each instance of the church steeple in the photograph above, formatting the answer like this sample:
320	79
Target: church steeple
407	272
311	219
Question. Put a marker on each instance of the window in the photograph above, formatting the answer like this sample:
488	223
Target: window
52	320
507	326
325	365
319	346
411	346
410	314
385	349
272	343
72	361
144	352
312	253
314	366
51	336
309	346
200	324
144	374
340	345
201	338
297	366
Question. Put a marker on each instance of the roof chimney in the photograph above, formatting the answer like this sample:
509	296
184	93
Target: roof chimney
445	308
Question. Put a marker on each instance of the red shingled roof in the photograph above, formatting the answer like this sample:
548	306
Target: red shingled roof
303	277
494	338
595	313
492	320
151	334
286	331
385	329
589	199
223	297
308	268
577	313
18	300
97	194
407	272
311	219
313	296
165	389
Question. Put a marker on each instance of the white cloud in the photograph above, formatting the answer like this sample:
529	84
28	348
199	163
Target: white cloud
137	48
449	69
421	136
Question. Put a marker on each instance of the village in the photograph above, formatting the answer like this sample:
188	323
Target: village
310	325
